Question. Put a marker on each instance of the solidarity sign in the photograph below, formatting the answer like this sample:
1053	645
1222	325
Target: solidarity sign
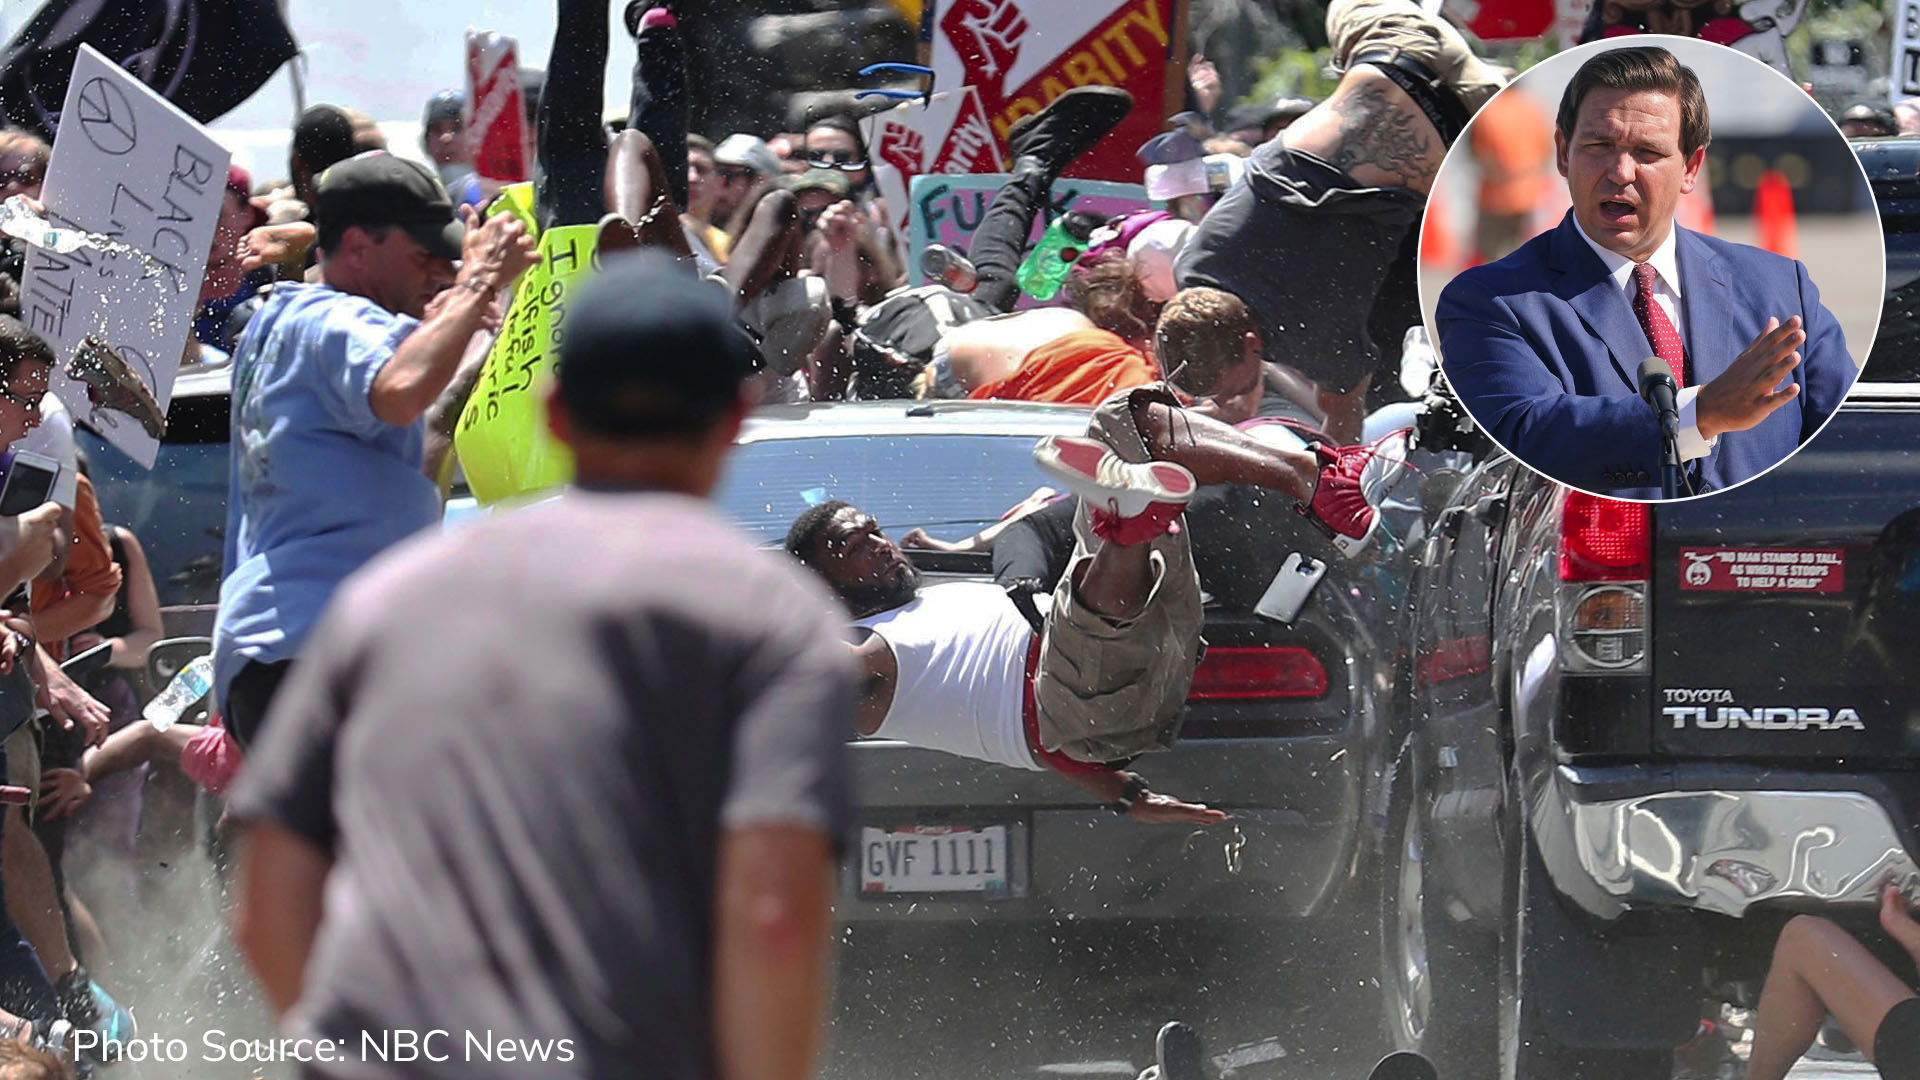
1021	54
947	135
131	167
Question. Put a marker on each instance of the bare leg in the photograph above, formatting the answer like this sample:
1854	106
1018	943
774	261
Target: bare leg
636	181
30	896
136	744
86	931
1218	453
1817	969
1116	581
768	248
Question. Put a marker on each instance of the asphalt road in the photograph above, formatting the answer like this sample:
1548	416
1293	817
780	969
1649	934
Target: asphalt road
987	1003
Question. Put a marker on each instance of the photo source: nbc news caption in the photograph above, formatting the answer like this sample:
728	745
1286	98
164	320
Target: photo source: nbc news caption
398	1045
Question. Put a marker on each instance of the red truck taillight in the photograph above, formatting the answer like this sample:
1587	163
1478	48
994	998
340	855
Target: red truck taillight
1238	673
1606	558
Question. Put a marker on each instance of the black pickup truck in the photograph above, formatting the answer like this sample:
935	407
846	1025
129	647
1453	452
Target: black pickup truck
1639	737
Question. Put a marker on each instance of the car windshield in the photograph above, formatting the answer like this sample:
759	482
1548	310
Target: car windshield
177	508
950	485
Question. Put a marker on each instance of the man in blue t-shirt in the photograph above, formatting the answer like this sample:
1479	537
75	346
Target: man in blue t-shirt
330	384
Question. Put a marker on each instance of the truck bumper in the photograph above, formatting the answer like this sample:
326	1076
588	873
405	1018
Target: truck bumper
1719	849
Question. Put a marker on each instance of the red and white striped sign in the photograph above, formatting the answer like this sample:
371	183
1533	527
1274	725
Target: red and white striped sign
496	116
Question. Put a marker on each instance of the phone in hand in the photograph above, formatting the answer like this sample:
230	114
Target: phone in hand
29	483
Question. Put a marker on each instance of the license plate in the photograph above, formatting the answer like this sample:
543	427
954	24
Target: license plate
936	859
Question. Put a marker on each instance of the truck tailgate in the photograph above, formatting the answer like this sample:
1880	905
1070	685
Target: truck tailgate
1786	612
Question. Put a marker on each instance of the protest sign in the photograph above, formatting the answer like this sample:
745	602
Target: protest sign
502	439
1508	20
131	167
947	209
496	111
948	134
1021	54
1906	49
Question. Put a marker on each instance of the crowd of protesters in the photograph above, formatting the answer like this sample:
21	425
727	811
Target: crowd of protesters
353	300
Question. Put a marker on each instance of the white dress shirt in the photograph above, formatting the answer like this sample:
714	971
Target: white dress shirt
1666	293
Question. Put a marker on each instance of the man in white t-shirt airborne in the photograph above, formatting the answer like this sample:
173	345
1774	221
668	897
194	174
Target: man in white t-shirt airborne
950	666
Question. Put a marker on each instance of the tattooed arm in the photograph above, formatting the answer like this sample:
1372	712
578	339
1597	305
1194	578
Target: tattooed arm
1373	131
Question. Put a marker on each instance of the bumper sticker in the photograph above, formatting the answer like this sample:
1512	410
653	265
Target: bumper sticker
1763	569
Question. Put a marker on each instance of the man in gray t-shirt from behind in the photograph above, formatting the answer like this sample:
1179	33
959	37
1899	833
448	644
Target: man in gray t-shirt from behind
566	786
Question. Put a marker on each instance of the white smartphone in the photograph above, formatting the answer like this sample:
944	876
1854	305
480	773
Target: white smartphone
29	483
1290	588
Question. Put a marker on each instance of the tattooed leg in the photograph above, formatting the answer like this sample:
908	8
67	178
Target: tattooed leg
1373	131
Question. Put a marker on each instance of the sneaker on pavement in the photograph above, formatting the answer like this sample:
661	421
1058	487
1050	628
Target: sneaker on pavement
1353	481
1177	1052
1069	126
1131	502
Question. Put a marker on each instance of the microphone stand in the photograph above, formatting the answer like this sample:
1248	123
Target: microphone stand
1657	389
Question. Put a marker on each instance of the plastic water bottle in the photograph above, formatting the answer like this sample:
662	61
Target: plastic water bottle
20	222
186	689
1052	259
952	269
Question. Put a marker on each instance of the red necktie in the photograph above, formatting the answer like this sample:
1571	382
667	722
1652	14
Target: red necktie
1660	332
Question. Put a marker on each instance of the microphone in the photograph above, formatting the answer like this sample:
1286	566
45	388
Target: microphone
1659	391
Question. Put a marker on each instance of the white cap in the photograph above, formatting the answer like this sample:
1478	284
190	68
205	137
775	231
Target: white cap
1152	254
748	150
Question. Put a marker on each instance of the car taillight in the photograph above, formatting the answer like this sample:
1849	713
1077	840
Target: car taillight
1604	539
1606	558
1249	674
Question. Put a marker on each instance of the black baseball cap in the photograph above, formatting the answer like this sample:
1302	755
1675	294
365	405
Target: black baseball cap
650	350
377	188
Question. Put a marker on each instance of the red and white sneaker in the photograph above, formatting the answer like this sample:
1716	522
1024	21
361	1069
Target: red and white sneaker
1131	503
1353	481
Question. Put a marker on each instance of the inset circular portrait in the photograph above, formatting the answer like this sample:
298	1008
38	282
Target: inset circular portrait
1652	268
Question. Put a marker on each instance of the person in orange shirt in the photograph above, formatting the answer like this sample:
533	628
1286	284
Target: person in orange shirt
1512	142
1084	367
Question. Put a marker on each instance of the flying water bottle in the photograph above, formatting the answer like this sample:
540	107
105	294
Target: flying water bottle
20	222
186	690
1052	259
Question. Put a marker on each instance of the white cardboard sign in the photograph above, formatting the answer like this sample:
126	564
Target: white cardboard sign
129	165
1905	80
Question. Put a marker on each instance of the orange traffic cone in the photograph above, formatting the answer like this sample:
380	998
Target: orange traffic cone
1773	214
1436	242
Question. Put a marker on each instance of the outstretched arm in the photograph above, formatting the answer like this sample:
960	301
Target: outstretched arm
1109	785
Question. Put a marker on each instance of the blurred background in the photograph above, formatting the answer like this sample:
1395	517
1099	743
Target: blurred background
1778	175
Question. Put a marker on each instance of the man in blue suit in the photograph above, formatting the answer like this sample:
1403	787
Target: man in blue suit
1544	346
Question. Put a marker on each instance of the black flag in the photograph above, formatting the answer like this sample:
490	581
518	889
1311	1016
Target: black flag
205	56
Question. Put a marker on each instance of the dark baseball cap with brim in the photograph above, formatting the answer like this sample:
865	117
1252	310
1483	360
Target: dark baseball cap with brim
376	188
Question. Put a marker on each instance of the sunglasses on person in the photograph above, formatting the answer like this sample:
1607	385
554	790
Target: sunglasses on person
29	403
844	160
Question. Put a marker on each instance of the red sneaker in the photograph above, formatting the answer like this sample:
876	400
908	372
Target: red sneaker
1353	481
1131	503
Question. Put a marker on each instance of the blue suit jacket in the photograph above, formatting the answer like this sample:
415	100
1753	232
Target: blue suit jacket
1544	350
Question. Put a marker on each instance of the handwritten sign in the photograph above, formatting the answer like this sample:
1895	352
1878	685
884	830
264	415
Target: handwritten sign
1906	49
502	437
947	209
1021	54
496	113
128	165
947	135
1763	570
